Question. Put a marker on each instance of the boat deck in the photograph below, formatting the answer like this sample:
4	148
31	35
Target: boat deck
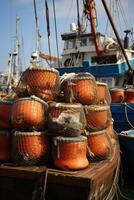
35	182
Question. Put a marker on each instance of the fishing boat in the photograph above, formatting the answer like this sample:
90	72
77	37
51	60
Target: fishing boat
83	160
107	58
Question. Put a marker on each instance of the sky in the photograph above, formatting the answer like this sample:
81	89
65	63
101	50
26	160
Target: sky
65	15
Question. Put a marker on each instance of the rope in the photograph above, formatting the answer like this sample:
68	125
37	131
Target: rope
114	184
129	106
121	194
126	114
44	184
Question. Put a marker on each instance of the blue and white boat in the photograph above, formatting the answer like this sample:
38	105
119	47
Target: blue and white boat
96	53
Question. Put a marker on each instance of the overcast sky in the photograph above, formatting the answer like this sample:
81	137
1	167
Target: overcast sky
65	13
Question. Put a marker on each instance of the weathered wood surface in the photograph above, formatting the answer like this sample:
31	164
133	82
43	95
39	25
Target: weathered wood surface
31	182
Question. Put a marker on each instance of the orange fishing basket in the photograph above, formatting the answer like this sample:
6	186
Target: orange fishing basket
99	145
5	114
97	116
80	88
30	147
5	146
103	93
28	114
43	82
66	119
69	153
117	95
129	95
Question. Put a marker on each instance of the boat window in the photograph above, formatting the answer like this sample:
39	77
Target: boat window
70	44
132	54
90	41
73	44
66	45
104	59
84	42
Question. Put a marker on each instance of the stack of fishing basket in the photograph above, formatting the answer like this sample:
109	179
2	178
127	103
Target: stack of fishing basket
95	99
68	118
29	115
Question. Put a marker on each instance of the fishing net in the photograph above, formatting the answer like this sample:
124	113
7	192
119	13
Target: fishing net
5	114
69	153
98	117
80	88
103	93
28	114
66	119
129	95
42	82
117	95
5	146
29	148
99	145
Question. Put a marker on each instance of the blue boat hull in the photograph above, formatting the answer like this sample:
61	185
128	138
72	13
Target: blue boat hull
127	157
123	115
103	70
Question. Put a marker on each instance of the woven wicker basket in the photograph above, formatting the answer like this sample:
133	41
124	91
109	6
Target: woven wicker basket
28	114
80	88
43	82
97	116
117	95
69	153
30	147
5	114
99	144
66	119
129	95
5	146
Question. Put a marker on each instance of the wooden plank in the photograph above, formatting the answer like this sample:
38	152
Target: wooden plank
25	172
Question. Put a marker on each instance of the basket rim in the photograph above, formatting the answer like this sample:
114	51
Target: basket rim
69	139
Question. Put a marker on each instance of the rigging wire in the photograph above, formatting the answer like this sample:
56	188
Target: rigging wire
126	21
117	11
123	14
119	19
107	22
68	14
56	36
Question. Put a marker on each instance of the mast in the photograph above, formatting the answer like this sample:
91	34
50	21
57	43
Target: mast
14	61
90	10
